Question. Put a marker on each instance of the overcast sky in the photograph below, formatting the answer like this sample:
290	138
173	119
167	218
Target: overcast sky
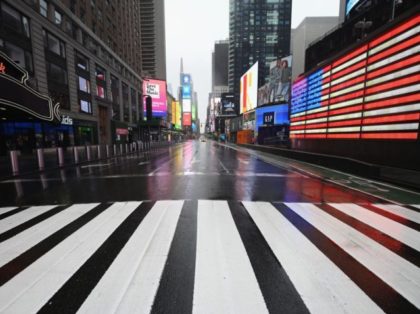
192	27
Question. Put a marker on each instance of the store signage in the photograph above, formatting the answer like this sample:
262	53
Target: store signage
66	120
121	131
268	118
18	95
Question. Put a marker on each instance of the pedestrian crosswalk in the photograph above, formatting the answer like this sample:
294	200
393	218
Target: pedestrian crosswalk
210	256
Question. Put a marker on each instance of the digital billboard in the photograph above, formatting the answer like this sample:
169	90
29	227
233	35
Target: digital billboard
186	119
186	91
228	107
157	90
173	121
186	105
178	122
194	112
272	115
249	89
372	92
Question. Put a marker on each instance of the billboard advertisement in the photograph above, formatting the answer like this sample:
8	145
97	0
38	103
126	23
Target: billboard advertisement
249	89
173	121
279	80
369	93
178	122
272	115
157	90
186	119
186	86
186	91
186	105
228	107
194	112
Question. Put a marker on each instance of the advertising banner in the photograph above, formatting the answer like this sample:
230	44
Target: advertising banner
194	112
173	121
186	86
186	105
157	90
178	122
249	89
228	105
186	119
278	87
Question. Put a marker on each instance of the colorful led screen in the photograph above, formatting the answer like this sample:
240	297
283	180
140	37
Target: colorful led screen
157	90
178	123
186	119
372	92
249	89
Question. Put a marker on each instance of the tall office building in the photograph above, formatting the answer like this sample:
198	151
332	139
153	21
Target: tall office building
220	64
153	47
85	55
259	31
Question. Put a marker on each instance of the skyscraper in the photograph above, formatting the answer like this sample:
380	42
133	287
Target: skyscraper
152	14
259	31
220	64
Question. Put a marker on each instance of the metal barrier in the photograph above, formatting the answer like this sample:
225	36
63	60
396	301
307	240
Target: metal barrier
60	157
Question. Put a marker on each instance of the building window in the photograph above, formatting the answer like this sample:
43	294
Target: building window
82	62
17	54
84	85
85	106
100	75
43	8
14	20
58	18
54	45
56	73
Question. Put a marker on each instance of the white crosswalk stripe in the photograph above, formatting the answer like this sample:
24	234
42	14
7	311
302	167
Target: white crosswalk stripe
224	276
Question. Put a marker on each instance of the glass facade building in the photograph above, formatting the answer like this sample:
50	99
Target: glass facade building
259	31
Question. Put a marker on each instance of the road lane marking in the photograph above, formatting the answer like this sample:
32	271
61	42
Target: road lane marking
4	210
323	287
387	226
29	290
223	166
397	272
401	211
139	265
23	216
23	241
224	279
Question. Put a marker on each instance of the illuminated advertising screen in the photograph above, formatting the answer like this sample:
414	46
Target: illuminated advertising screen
194	112
272	115
228	105
178	122
249	89
173	121
186	92
186	119
372	92
186	105
157	90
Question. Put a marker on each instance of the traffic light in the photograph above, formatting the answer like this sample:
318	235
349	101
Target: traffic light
149	108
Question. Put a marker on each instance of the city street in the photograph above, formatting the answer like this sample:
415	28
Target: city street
207	227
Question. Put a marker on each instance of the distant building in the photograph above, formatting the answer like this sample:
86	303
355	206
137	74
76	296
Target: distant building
259	31
153	43
220	65
308	30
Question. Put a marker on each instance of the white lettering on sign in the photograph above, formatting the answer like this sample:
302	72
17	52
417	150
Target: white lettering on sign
66	120
153	90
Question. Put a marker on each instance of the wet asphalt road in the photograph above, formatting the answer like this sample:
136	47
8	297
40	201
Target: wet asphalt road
189	171
202	228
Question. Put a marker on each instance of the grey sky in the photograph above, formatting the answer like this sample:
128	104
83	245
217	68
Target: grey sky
192	27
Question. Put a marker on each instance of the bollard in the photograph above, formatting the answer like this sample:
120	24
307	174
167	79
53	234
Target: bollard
107	151
15	162
76	154
121	149
60	154
40	157
88	153
99	151
115	150
126	148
